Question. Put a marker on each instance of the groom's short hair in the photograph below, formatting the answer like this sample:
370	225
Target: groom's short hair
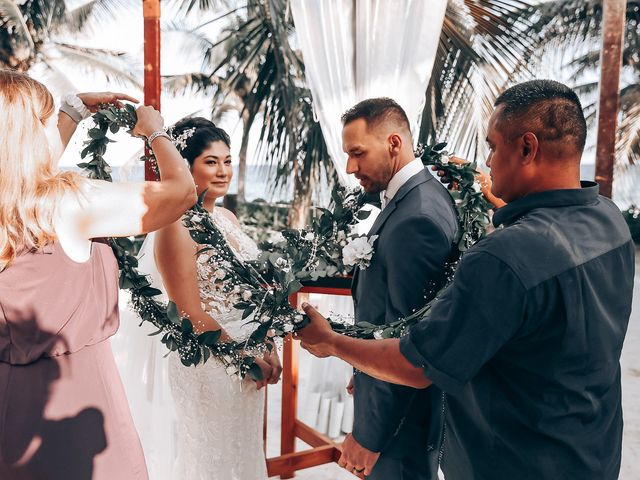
376	111
547	108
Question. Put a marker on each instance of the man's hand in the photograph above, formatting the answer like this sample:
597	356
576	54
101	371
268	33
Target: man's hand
357	459
317	336
350	386
93	100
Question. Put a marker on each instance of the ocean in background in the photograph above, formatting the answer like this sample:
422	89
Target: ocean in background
259	184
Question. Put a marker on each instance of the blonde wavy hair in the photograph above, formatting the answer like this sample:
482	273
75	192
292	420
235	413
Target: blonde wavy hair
31	185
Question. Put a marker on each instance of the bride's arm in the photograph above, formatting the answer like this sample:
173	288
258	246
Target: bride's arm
175	255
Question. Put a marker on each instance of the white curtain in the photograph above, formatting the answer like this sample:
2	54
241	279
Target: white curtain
358	49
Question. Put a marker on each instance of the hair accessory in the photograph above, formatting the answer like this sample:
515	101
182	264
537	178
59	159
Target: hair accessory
180	141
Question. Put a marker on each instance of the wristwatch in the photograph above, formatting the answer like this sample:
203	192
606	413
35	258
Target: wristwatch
73	106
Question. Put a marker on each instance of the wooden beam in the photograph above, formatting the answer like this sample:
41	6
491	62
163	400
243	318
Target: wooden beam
285	464
610	63
289	397
312	437
152	85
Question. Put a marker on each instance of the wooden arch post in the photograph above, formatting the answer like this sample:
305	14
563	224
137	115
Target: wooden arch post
152	85
613	17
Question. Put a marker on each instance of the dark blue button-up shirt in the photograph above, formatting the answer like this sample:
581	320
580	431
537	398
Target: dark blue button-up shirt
527	340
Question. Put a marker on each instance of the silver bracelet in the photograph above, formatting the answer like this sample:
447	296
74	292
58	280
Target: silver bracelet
72	105
156	134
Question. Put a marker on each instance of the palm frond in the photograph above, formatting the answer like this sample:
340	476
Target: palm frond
12	18
187	39
95	11
187	6
113	65
628	144
195	82
45	15
482	48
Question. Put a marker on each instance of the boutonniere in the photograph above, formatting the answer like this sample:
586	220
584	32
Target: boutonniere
359	251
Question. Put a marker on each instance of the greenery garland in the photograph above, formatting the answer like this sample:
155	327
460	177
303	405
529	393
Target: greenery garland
261	288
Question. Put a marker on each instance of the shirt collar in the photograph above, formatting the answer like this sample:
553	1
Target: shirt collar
550	198
401	177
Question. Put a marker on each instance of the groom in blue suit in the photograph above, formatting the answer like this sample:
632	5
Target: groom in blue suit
397	429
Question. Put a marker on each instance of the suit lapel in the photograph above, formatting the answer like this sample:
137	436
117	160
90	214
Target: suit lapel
418	179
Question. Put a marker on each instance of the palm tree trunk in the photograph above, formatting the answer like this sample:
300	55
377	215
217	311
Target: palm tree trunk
299	213
242	156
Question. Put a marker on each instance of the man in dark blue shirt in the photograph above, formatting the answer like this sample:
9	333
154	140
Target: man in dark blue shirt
526	341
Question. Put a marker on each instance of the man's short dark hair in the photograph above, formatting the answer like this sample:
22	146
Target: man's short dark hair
548	108
376	111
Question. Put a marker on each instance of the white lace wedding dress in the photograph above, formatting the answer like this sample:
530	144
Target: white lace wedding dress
214	421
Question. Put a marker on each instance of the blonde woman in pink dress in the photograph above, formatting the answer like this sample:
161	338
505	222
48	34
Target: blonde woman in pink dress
63	411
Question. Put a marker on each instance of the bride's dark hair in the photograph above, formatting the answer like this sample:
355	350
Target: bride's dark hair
204	134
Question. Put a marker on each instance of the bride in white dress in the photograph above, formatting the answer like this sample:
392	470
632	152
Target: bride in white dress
209	425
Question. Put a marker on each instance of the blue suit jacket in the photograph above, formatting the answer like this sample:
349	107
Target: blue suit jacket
416	233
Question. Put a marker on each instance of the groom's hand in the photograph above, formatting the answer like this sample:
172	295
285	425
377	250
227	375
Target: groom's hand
316	337
357	459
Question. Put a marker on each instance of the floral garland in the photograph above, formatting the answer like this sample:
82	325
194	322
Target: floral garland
262	288
327	248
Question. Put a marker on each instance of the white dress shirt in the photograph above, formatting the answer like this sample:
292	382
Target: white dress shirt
401	177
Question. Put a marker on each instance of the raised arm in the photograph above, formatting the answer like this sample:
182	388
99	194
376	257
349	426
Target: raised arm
107	209
87	103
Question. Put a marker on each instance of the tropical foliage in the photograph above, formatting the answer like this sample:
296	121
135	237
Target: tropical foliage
37	33
575	27
481	46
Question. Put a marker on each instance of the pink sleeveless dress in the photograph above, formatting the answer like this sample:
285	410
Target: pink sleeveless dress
63	410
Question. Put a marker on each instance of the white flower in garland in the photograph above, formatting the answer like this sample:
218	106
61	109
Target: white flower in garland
359	251
246	295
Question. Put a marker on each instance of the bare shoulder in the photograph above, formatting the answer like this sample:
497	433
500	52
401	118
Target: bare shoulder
229	214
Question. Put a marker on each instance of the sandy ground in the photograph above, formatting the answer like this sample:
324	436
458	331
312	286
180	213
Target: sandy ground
630	399
631	388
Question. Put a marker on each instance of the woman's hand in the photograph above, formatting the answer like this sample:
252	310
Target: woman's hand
266	369
93	100
149	121
273	360
482	178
